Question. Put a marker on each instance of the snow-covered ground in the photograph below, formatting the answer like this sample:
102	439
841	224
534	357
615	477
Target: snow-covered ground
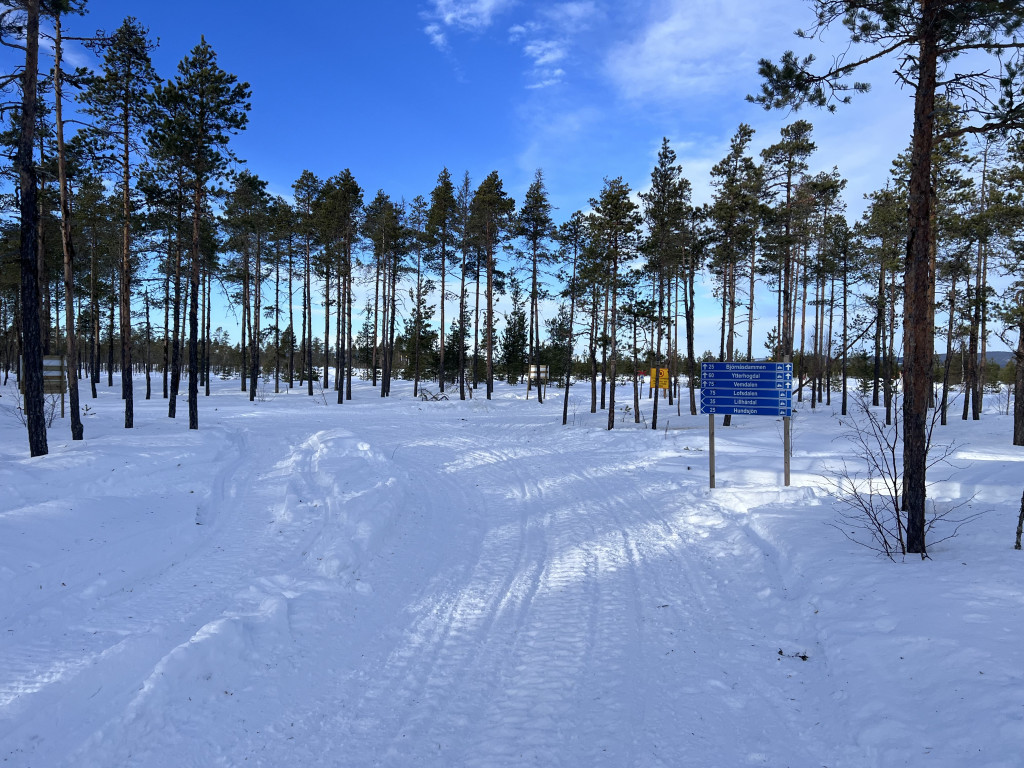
406	583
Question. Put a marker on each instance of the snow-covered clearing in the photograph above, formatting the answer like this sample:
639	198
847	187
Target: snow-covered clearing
406	583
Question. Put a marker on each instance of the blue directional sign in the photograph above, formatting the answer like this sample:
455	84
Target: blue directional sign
752	380
753	389
721	388
782	399
742	410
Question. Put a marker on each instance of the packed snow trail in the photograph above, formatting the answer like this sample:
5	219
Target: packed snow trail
397	583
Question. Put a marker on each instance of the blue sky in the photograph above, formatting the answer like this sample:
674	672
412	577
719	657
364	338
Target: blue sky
396	90
586	89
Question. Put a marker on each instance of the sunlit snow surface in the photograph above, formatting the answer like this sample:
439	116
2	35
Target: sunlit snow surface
405	583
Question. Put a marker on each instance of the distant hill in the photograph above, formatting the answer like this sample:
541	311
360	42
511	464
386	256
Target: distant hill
1002	356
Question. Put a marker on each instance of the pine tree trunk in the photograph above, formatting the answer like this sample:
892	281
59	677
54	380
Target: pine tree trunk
444	278
750	313
846	325
613	332
594	298
944	403
172	404
308	322
277	319
291	316
659	283
246	341
127	391
193	315
376	321
110	339
327	328
339	368
1018	387
489	330
94	305
604	347
568	357
66	242
691	362
462	328
918	346
981	312
166	334
257	291
149	345
349	334
636	368
32	349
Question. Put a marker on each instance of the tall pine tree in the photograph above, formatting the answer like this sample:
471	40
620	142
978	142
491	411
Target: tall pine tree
202	108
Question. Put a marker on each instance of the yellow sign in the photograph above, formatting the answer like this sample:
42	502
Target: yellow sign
659	375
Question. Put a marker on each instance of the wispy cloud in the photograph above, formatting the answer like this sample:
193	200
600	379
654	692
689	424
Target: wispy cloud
548	38
437	37
574	15
693	48
545	52
545	33
471	15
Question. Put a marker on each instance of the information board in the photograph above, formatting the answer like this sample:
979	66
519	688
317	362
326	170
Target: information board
747	389
750	389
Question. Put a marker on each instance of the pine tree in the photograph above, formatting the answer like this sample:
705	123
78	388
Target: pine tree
31	345
534	225
442	225
383	227
201	108
572	236
118	100
68	247
615	220
247	228
666	207
414	327
490	221
785	164
339	206
307	189
514	338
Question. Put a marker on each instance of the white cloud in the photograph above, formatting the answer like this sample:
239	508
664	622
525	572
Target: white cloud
689	48
545	36
468	14
545	52
549	39
572	16
545	78
437	36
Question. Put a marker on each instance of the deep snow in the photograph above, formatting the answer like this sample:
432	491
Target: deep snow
403	583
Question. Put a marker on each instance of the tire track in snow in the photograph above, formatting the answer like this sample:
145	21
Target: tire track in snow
541	623
450	657
225	593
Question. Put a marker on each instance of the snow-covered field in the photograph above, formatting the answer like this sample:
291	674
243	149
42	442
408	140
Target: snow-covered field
406	583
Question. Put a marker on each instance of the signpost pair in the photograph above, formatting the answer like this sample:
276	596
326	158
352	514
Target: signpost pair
747	389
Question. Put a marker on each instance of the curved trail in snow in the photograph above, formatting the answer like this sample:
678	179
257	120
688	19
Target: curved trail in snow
483	591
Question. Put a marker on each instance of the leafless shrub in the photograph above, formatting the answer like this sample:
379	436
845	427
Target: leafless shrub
868	483
51	407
